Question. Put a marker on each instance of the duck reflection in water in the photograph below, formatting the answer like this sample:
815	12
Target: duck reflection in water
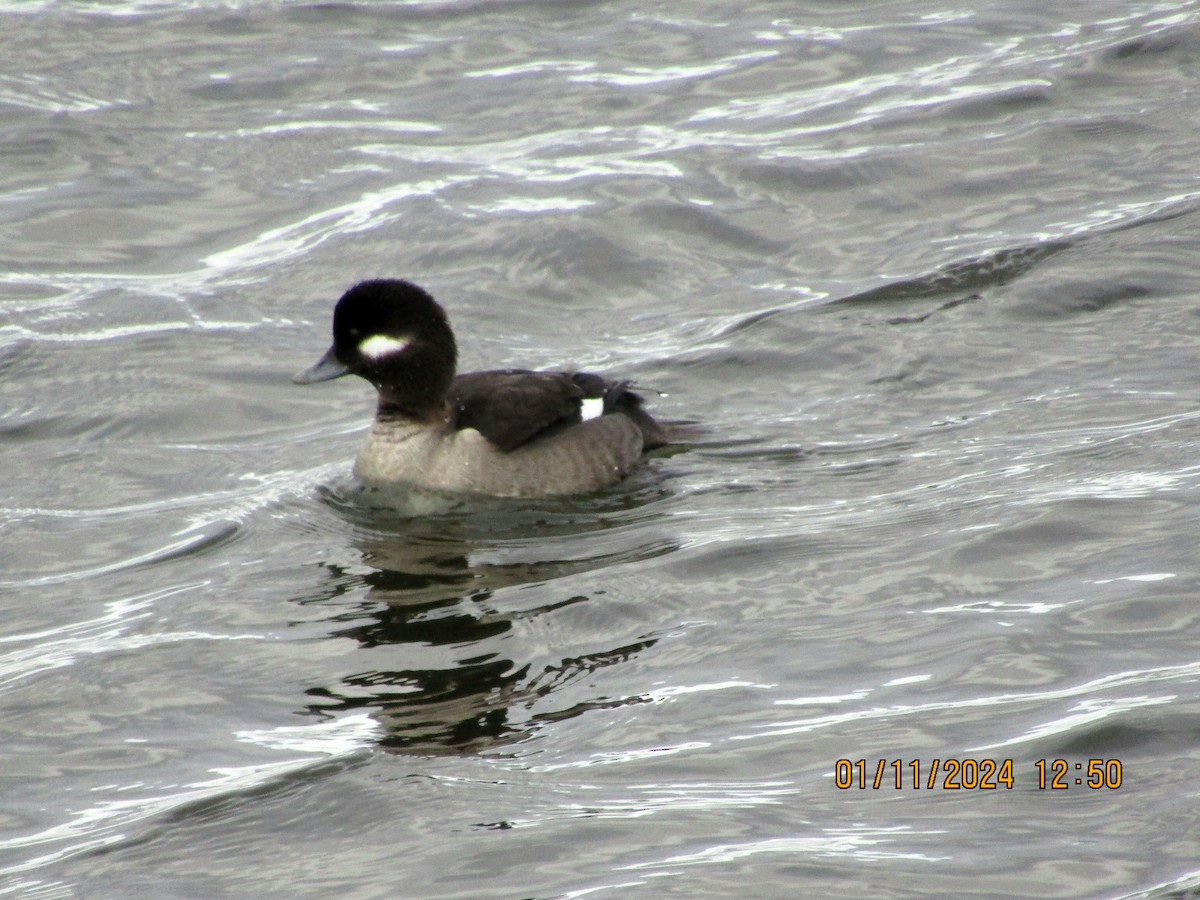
454	626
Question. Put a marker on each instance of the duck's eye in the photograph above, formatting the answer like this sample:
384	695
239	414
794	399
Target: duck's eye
380	345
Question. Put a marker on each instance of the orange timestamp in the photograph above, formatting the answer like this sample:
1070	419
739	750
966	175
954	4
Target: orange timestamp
974	774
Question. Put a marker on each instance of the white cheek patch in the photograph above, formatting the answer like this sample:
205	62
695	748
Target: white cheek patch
591	408
380	345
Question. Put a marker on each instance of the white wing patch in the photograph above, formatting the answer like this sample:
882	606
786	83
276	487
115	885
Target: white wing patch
380	345
591	408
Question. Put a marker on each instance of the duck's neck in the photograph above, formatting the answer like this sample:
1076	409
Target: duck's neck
424	410
414	385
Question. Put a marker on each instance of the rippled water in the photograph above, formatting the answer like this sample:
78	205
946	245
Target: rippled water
923	273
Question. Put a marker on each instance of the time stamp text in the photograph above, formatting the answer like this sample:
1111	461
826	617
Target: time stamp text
976	774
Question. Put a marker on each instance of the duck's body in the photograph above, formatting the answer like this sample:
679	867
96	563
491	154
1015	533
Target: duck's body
583	458
508	433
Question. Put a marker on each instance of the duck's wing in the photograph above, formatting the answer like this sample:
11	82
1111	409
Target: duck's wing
510	407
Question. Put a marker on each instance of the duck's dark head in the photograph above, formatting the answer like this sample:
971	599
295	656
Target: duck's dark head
396	336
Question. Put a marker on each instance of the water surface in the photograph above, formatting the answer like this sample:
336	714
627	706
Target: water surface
925	275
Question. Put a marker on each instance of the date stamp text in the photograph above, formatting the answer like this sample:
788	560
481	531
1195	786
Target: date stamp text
968	774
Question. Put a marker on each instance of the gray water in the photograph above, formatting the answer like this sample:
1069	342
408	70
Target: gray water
923	274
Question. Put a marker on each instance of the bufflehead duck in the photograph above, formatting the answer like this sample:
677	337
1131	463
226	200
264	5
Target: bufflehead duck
502	433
